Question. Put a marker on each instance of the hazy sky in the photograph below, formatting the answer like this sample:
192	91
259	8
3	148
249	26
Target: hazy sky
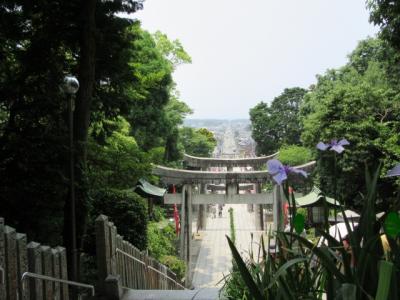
245	52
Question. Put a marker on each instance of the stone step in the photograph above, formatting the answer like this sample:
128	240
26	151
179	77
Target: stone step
198	294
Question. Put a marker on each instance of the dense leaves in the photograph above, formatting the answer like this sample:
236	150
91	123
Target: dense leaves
127	210
357	102
200	142
127	114
385	13
277	124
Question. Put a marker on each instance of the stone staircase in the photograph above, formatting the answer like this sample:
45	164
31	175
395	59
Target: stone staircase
198	294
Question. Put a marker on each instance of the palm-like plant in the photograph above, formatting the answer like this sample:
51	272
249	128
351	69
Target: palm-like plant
358	272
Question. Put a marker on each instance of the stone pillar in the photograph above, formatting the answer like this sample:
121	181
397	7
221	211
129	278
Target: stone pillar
202	213
189	233
182	235
277	208
113	289
259	211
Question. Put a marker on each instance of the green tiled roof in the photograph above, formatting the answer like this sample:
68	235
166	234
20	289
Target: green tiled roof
145	188
314	198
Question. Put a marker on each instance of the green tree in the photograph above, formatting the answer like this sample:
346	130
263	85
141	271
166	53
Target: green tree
277	124
41	41
200	142
117	162
357	102
385	13
175	112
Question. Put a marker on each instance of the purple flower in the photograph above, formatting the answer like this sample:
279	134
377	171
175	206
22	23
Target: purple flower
334	145
279	171
394	172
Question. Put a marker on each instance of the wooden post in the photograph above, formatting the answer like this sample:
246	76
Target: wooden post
48	271
103	251
22	264
10	236
2	261
35	266
120	260
127	265
63	272
55	263
113	249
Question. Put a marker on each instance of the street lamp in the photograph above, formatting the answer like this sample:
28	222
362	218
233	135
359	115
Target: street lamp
70	87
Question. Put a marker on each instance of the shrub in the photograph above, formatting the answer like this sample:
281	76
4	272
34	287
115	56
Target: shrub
126	209
175	264
294	155
161	239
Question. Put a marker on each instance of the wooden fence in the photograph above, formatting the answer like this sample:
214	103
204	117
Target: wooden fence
135	269
39	272
18	257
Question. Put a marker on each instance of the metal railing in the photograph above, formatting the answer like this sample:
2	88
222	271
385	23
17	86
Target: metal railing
48	278
150	267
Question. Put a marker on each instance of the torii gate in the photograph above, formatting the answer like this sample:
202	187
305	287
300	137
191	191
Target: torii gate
255	163
188	178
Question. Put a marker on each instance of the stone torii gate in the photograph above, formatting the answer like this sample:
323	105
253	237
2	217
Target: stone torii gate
255	163
189	178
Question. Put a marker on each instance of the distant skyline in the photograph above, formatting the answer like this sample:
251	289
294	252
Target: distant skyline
244	52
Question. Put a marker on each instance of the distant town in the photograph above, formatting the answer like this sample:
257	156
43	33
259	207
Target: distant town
236	132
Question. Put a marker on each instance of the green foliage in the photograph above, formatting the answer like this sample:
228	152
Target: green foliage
161	239
284	275
200	142
277	124
175	264
294	155
385	13
173	51
117	162
175	113
127	210
302	211
358	102
35	57
359	271
158	214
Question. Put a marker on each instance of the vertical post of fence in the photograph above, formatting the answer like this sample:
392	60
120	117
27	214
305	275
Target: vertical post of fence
35	266
102	251
22	264
105	251
2	261
48	271
55	257
63	271
10	236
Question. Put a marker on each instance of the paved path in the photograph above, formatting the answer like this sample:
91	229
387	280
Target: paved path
214	260
228	143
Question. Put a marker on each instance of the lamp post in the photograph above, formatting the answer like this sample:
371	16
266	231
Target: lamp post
70	87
